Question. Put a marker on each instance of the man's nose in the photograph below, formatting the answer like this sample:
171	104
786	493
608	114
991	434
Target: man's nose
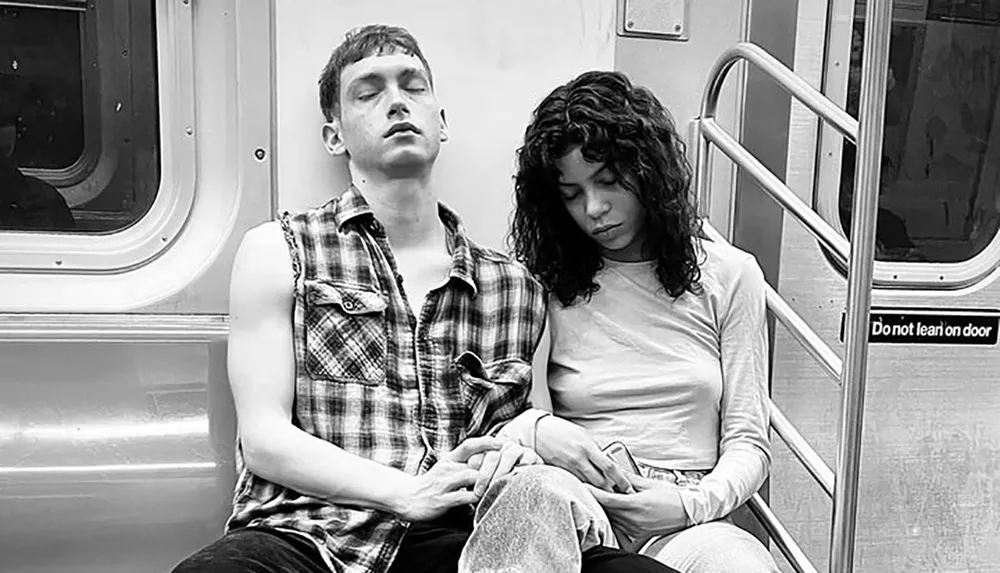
397	103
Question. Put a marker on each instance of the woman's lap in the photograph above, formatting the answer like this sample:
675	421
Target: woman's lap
714	547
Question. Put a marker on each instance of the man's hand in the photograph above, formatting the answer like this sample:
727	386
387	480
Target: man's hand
446	484
564	444
494	464
655	508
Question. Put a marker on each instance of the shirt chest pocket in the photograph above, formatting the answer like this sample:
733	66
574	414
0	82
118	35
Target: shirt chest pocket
345	333
492	392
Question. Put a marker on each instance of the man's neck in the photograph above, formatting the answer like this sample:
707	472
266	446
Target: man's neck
407	208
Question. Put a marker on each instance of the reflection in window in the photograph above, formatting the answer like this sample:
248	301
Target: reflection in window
939	196
79	134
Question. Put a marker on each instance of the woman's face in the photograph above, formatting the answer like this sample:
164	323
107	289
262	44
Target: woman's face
604	210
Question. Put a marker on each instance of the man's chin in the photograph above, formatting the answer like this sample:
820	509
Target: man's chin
408	164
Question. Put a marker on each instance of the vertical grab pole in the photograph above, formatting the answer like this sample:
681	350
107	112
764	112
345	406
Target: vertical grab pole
703	172
874	66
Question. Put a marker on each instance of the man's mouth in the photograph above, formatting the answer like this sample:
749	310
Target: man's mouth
403	127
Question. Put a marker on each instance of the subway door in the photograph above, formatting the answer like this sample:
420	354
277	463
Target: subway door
928	483
135	152
671	47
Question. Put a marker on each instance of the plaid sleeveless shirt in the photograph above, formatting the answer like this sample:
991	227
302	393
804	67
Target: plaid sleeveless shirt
384	384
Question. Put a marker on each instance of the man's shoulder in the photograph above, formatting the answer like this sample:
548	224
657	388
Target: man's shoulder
262	269
265	240
492	262
327	210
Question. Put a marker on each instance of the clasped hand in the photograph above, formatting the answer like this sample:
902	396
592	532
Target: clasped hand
566	445
654	509
475	464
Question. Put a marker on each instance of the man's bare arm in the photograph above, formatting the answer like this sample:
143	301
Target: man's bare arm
262	377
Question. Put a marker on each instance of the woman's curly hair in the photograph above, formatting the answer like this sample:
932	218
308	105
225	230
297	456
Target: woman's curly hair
628	130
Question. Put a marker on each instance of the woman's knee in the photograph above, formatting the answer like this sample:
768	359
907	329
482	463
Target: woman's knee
716	547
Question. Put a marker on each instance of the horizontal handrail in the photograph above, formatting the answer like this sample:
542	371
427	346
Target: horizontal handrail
780	535
72	5
804	334
812	461
776	189
796	325
785	78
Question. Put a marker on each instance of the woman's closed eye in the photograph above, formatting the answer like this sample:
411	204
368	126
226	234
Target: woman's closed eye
607	181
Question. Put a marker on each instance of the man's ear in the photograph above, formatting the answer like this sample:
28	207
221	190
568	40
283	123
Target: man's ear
444	126
333	138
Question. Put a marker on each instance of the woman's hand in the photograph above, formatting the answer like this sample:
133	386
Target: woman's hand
493	465
655	508
563	444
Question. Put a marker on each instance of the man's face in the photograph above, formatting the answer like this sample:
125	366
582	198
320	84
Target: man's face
390	120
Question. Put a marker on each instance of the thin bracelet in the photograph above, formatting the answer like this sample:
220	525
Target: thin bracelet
534	431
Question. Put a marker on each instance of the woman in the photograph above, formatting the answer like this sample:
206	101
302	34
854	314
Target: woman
658	337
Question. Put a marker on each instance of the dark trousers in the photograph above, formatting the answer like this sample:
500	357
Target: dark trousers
432	547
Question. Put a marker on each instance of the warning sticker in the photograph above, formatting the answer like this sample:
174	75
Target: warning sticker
919	326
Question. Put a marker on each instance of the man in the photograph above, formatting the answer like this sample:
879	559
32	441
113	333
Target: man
374	348
26	203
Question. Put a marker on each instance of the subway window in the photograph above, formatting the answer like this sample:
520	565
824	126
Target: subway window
79	115
939	194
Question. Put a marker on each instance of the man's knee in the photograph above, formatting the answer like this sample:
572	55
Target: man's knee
219	557
546	481
542	488
241	551
545	498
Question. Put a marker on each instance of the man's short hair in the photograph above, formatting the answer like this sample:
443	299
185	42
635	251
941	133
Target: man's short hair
358	44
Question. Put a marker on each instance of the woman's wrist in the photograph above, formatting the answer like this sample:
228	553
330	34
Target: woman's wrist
534	431
522	428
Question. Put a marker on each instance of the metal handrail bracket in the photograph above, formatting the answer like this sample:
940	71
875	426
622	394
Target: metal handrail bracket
711	133
858	254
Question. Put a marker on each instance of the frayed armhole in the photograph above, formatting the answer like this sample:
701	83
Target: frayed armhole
293	248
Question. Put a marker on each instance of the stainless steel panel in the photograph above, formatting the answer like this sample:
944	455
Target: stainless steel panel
655	19
114	456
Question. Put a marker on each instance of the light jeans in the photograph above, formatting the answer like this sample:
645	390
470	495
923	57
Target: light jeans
538	519
713	547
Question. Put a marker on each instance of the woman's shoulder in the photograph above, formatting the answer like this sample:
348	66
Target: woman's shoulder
727	267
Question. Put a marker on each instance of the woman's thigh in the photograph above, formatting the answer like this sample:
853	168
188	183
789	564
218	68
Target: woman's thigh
715	547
